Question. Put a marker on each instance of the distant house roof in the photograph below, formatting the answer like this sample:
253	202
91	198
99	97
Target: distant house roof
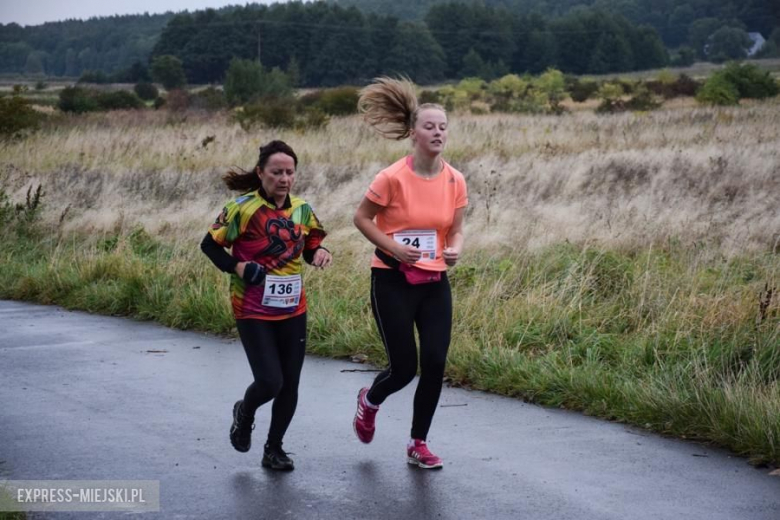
758	43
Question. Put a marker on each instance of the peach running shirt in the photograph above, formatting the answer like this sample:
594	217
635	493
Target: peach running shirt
413	207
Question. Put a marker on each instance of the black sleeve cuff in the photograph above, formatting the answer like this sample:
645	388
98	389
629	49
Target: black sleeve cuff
217	254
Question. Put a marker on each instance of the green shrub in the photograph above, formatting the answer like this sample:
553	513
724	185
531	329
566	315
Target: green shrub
146	91
243	81
473	87
276	84
751	81
77	100
17	117
311	118
582	90
168	71
430	96
268	112
282	112
210	99
642	100
736	81
553	85
341	101
119	100
505	92
159	102
682	86
627	85
247	81
453	98
611	98
310	99
80	100
718	90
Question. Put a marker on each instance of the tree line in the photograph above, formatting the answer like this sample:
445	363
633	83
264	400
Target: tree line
68	48
671	18
333	42
324	44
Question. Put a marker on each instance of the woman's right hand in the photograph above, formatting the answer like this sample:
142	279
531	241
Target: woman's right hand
406	254
240	269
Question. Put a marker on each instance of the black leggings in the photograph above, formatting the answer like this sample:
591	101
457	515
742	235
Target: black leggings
275	350
398	306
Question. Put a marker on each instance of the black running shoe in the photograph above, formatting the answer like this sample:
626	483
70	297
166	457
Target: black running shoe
241	429
274	457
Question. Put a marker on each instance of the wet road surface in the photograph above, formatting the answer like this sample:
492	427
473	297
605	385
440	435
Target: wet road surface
87	397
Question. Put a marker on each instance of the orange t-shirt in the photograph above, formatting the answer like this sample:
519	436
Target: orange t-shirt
414	207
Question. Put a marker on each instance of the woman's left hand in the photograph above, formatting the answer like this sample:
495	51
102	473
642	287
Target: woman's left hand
322	258
450	255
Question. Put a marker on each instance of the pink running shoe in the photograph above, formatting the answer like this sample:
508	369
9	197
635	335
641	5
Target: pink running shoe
421	456
363	423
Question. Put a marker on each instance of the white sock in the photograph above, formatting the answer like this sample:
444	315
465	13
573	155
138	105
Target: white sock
410	444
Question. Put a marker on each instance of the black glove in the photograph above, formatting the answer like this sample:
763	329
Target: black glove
254	274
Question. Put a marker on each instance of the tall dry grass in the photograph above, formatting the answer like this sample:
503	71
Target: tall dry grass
696	175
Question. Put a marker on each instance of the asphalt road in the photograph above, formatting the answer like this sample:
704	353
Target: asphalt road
88	397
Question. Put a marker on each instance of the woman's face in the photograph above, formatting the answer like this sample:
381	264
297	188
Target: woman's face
278	176
429	134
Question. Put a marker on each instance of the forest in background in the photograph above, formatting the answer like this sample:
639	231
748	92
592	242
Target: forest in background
350	41
70	47
671	18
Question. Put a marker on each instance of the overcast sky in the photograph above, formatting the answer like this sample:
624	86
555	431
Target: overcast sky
34	12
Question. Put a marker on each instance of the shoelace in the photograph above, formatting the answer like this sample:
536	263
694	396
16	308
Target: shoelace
243	419
278	451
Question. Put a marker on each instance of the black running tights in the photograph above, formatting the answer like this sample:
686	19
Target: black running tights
275	350
398	306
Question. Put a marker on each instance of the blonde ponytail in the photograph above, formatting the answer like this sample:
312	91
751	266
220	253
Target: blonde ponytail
389	105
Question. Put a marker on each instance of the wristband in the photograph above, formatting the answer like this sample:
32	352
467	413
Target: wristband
254	274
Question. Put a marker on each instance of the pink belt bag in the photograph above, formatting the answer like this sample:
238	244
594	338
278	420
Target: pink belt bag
414	275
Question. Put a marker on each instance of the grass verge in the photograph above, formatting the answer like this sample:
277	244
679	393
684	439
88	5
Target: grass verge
675	339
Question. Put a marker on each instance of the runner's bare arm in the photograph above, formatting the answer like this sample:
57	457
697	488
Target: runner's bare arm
364	221
454	242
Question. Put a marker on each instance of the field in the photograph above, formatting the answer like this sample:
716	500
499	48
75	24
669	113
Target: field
621	265
701	69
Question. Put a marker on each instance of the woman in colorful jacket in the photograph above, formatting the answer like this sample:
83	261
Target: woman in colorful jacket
269	232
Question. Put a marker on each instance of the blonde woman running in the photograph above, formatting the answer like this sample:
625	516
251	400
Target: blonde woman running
413	213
